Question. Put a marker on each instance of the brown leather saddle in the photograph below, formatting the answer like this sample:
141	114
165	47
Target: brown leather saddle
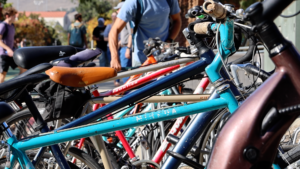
81	76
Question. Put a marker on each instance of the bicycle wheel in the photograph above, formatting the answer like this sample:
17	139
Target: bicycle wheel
210	135
22	125
45	163
90	149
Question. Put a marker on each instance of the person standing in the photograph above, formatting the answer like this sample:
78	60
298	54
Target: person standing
106	32
98	36
7	37
108	53
151	21
77	33
125	43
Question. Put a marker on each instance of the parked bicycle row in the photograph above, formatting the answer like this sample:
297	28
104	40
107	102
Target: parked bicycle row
58	119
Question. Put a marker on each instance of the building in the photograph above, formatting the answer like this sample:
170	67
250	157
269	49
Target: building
53	18
43	5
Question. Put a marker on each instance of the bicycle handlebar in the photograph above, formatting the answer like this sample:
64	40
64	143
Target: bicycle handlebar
214	9
248	55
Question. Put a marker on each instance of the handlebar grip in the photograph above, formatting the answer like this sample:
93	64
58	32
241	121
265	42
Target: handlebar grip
256	72
214	9
201	28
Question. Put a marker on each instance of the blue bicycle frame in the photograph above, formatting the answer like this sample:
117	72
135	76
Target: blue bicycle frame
199	123
227	99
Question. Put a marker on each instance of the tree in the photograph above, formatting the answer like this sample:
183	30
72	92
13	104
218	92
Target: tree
245	3
94	8
34	30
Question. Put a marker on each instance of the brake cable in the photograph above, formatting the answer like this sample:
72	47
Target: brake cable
289	16
230	77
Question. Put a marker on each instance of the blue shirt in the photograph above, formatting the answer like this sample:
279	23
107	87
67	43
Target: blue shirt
107	30
153	23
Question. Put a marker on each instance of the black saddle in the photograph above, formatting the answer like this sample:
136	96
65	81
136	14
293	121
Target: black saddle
9	90
81	58
5	112
29	57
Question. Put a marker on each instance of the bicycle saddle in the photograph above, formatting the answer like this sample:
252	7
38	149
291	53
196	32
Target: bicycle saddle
12	88
78	59
80	77
6	112
28	57
35	70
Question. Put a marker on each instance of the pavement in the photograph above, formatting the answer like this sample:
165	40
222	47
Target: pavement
11	73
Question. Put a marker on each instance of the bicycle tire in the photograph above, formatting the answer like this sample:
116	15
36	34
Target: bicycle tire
31	154
84	157
77	153
112	156
208	134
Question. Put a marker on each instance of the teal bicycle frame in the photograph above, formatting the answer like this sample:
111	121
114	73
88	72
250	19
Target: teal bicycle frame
226	100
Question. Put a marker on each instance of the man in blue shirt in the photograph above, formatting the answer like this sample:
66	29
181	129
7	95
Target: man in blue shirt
153	23
107	58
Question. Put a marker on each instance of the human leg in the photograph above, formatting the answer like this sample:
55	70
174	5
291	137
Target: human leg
4	65
2	76
108	58
102	60
21	70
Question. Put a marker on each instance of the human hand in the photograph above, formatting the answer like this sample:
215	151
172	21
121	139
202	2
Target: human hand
128	53
10	53
115	64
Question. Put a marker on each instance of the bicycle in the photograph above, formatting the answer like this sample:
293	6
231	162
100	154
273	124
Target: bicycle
198	66
268	115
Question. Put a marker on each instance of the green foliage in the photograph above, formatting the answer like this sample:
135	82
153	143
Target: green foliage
6	5
245	3
61	34
3	1
34	30
93	8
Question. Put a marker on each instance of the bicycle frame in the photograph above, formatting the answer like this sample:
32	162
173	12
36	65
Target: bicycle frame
165	145
63	134
198	124
280	91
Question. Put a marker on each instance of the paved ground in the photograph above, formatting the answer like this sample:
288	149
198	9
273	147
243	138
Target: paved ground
11	73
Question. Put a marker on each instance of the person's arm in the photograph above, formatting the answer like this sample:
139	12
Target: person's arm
4	46
95	35
84	40
95	38
176	26
113	43
69	38
83	30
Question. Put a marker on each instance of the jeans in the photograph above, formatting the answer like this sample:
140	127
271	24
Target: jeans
104	59
124	61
